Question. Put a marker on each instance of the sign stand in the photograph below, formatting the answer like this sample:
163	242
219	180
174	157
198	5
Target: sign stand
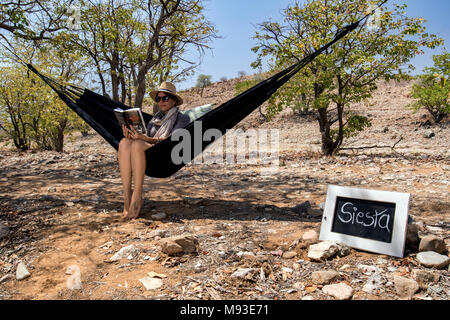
370	220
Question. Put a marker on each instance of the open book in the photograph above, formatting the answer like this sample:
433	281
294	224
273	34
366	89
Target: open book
131	117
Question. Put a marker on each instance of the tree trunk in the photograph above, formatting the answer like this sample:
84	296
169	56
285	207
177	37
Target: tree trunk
140	91
155	108
324	124
115	85
59	140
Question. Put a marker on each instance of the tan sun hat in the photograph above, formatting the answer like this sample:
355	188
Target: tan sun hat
169	88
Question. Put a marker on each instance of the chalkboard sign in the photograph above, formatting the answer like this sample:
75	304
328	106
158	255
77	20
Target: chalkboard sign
366	219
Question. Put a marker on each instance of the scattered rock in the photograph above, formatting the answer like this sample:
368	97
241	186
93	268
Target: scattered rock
433	259
22	272
324	277
340	291
326	250
277	252
425	277
289	254
435	290
243	273
432	243
158	233
185	243
192	201
159	216
412	236
314	212
343	249
373	284
74	281
429	134
310	235
322	251
4	230
125	252
302	208
368	270
5	277
246	255
405	287
151	283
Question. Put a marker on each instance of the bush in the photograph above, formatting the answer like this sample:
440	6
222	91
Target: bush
432	90
203	81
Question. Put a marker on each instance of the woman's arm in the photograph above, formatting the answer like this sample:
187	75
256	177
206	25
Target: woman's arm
133	134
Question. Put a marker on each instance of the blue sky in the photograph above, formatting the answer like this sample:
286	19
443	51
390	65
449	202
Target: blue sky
235	21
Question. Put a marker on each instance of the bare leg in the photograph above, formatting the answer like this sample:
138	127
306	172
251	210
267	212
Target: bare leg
138	165
125	172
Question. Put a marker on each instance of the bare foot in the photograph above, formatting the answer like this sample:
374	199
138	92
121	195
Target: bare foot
126	203
135	208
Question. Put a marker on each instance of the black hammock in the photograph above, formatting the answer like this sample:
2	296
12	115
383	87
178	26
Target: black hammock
97	111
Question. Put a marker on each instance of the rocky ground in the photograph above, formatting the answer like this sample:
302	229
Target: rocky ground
227	231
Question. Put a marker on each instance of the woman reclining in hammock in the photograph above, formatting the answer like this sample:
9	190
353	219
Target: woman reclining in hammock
132	147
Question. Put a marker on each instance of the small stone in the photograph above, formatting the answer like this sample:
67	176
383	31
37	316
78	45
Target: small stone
429	134
5	277
324	277
185	243
287	270
21	271
302	208
425	277
345	267
151	283
432	243
433	259
323	251
405	287
192	201
343	249
412	236
314	212
289	254
368	270
159	216
241	273
310	235
435	290
277	253
4	230
340	291
246	255
125	252
171	248
74	281
158	233
373	284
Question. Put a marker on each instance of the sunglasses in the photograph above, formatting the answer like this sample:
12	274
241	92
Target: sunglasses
163	98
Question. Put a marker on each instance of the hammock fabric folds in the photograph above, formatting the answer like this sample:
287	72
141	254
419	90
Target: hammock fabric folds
97	111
